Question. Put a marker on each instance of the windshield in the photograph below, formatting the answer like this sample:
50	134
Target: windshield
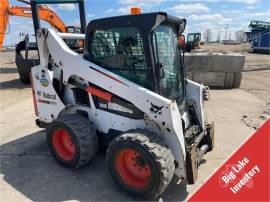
76	30
168	54
190	38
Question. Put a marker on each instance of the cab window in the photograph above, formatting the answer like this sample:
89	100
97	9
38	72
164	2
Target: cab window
190	38
121	51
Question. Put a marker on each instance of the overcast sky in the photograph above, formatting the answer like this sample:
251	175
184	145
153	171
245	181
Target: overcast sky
200	14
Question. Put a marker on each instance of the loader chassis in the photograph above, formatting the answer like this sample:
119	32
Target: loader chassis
130	85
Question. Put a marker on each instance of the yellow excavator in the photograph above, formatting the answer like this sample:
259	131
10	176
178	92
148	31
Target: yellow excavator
23	63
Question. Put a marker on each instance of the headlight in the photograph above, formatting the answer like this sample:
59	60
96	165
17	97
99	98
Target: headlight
206	93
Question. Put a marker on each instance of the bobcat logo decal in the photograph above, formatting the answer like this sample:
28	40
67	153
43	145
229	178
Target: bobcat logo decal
156	109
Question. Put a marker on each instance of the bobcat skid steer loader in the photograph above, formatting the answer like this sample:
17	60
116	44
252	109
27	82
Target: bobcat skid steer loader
128	90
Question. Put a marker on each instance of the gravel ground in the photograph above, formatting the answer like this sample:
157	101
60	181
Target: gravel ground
255	79
29	173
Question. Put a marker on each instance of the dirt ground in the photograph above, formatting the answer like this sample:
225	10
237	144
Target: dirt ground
29	173
255	78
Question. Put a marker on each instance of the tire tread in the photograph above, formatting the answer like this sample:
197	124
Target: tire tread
155	146
86	136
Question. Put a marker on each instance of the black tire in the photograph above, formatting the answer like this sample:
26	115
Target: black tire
155	155
82	135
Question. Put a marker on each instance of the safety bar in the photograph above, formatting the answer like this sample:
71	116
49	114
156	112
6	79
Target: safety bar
71	36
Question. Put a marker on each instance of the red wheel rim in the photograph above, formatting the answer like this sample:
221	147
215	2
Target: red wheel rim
63	144
133	168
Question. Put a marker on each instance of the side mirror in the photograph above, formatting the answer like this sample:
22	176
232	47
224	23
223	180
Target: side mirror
160	69
181	40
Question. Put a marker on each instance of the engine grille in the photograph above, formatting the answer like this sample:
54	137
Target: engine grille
81	97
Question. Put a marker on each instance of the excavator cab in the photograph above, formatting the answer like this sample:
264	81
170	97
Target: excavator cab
74	44
193	41
73	29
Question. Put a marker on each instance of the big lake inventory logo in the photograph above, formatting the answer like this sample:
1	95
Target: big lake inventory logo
44	81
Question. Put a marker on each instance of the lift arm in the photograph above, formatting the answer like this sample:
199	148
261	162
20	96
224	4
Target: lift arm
45	14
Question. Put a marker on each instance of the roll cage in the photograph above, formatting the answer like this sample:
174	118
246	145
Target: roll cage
147	48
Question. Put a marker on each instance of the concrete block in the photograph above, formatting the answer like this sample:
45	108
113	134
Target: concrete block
226	62
197	62
237	79
228	81
198	77
212	79
215	69
189	75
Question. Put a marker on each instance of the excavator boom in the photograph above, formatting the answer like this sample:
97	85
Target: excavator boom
45	14
4	5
